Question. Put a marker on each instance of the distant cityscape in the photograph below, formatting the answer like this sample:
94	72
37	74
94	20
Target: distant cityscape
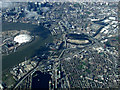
83	52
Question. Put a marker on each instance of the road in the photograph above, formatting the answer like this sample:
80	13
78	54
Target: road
25	76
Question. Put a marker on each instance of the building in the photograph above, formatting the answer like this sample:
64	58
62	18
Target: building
22	38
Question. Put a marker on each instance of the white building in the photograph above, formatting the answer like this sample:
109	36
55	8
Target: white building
22	38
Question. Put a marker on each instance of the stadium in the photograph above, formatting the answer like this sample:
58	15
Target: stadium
22	38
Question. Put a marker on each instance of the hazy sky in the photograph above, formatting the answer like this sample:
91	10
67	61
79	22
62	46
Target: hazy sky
62	0
9	4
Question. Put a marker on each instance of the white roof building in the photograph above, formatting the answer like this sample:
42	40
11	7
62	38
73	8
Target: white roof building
22	38
1	87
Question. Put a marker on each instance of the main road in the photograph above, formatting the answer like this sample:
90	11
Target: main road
25	76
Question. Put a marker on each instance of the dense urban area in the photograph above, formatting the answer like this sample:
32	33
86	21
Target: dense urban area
84	51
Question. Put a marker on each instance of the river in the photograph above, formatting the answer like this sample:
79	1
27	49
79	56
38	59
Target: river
29	49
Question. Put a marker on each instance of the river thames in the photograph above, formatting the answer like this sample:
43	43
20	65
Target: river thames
29	49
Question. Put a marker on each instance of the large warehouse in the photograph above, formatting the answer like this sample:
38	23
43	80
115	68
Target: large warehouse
22	38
